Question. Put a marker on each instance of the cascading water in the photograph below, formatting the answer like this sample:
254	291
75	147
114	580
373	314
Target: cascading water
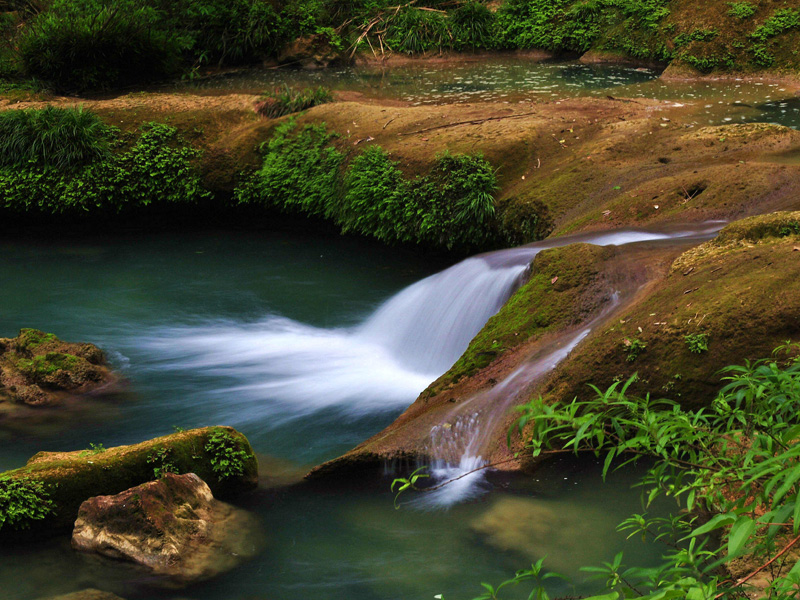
279	369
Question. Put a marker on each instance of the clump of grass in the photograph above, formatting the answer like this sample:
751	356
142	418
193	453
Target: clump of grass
285	100
61	138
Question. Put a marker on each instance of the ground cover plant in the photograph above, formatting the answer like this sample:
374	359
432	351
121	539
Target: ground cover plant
67	161
451	207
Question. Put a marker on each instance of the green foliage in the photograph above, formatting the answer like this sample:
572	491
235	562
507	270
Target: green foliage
633	348
59	138
473	26
414	31
300	171
451	207
285	100
23	500
162	459
227	457
741	10
781	21
630	26
697	342
94	449
790	228
157	169
698	35
733	467
407	483
87	44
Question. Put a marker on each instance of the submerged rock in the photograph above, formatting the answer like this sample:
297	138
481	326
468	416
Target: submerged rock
173	527
525	527
221	456
38	369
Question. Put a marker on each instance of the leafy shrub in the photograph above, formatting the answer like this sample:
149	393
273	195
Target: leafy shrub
228	459
732	467
451	207
23	501
61	138
88	44
781	21
300	171
415	31
697	342
158	168
286	100
741	10
473	26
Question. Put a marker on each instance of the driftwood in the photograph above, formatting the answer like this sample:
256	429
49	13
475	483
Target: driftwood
472	122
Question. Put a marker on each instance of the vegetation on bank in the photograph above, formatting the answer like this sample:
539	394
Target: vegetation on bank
45	494
451	207
77	45
66	161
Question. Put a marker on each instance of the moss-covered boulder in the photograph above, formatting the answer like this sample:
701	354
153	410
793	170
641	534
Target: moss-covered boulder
56	483
38	369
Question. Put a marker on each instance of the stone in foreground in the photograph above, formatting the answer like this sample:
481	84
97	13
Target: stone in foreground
173	527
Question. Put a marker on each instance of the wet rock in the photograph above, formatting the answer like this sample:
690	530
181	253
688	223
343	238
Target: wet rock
221	456
38	369
310	52
173	527
87	594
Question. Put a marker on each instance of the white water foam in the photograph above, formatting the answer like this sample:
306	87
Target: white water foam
281	369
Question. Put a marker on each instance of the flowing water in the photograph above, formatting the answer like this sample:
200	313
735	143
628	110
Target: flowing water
288	339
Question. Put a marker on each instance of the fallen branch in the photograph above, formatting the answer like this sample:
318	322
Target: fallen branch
472	122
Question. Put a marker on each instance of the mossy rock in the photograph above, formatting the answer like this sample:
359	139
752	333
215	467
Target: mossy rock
36	368
731	299
72	477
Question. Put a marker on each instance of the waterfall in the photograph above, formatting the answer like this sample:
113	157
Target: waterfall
276	369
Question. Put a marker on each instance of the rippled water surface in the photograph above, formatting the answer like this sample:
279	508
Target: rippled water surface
518	79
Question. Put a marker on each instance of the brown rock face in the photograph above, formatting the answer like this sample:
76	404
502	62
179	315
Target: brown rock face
174	527
38	369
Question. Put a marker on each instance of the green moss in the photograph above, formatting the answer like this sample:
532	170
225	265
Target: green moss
712	293
754	229
560	292
30	339
42	365
70	478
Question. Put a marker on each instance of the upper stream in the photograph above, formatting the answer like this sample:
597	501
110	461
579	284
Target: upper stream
512	79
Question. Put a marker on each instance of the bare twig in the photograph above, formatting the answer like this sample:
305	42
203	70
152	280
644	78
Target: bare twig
472	122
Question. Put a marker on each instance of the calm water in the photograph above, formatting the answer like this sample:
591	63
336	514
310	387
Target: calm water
515	80
141	297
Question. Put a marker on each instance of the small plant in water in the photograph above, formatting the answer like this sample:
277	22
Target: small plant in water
227	457
633	348
407	483
697	342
